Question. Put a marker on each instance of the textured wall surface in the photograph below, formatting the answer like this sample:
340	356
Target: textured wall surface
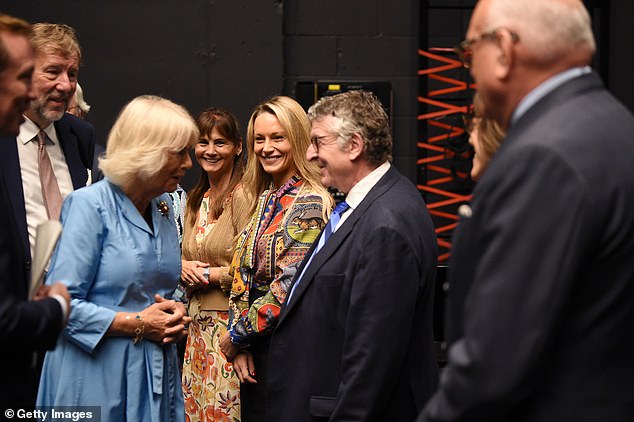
197	53
359	40
236	53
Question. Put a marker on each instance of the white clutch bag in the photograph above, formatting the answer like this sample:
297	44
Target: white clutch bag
47	235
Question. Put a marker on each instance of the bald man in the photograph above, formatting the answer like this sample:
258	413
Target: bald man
542	281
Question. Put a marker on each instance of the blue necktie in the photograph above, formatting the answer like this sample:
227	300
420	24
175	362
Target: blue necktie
332	224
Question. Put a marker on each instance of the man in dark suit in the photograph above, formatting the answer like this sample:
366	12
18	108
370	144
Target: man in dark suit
354	340
25	325
544	257
69	140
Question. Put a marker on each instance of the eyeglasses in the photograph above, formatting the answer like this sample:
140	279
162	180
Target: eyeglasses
464	50
319	141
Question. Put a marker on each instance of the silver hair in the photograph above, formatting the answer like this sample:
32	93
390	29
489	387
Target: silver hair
548	28
357	112
79	99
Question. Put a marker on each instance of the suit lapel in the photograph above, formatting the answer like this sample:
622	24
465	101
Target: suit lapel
69	143
336	239
10	163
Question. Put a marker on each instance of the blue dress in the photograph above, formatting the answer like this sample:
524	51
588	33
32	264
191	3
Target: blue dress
112	261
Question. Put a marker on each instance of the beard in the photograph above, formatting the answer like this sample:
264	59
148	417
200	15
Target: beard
46	112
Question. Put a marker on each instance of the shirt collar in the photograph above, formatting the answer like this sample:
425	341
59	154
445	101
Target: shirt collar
361	189
29	130
546	87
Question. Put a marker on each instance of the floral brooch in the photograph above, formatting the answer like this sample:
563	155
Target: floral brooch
163	208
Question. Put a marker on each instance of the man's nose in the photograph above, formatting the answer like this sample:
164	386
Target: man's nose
311	153
66	84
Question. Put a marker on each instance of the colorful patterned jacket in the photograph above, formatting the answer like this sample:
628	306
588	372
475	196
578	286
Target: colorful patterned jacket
284	225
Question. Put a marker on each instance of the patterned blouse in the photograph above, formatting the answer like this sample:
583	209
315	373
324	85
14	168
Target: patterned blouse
284	225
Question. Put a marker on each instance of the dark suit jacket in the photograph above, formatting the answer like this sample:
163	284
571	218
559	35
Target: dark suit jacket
29	326
24	326
77	139
356	342
544	264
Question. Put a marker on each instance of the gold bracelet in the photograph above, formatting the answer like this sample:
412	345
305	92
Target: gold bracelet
139	330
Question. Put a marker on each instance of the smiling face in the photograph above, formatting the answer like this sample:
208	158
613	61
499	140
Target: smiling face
273	148
54	82
215	154
15	83
333	161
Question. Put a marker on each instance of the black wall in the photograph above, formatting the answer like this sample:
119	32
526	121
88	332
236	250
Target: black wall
236	53
197	53
359	40
620	74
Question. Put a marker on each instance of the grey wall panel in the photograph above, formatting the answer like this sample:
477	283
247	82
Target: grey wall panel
332	17
379	57
308	56
399	18
359	40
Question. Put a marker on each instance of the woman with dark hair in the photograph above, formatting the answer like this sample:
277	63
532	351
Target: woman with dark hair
217	211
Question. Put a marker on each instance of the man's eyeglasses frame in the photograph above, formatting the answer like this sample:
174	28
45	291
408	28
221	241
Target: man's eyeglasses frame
464	50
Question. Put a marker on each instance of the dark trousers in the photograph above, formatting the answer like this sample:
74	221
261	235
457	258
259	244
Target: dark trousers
253	396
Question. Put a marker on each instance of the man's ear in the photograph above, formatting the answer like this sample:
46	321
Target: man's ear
506	56
356	146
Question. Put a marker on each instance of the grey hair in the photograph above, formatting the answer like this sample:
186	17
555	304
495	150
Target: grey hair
358	112
79	98
548	28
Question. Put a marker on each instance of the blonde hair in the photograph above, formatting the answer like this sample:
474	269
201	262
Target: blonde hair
55	38
147	128
79	99
490	134
293	119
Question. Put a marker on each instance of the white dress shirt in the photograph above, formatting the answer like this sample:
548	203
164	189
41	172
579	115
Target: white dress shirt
361	189
28	154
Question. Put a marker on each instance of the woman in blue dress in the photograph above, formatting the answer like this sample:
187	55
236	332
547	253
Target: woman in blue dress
120	258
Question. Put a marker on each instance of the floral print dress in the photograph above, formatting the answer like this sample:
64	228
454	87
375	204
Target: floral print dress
210	386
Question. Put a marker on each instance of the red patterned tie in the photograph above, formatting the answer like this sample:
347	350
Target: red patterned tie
50	189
